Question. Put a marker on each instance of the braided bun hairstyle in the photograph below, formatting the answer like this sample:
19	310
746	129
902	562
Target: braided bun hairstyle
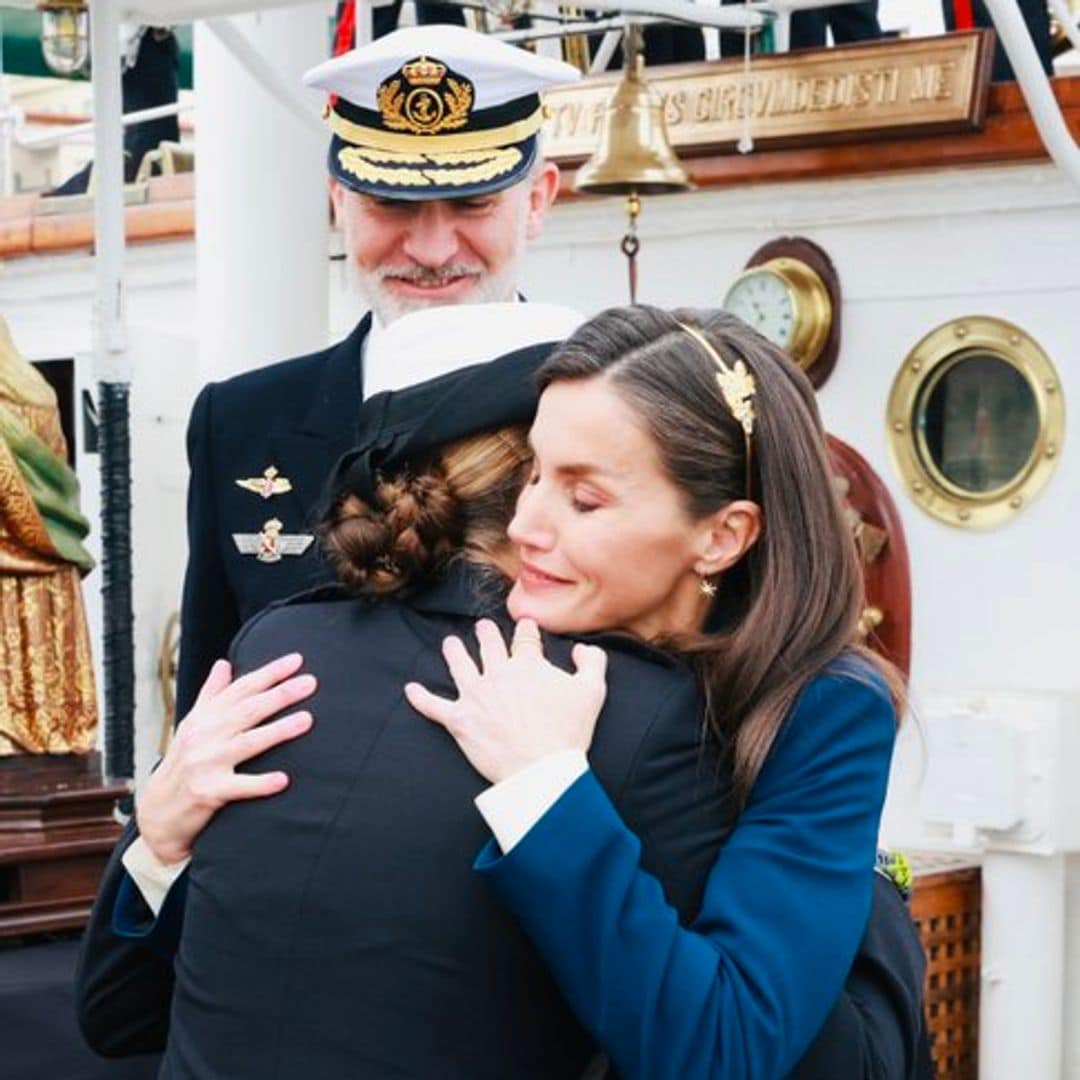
457	504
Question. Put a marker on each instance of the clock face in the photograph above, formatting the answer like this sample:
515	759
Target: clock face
764	301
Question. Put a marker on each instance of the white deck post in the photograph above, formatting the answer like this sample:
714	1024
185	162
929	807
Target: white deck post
110	364
112	370
1023	963
260	197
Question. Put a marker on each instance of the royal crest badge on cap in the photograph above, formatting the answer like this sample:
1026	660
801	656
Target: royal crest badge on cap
435	112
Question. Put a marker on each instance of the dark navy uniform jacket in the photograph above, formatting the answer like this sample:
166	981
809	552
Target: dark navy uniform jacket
298	416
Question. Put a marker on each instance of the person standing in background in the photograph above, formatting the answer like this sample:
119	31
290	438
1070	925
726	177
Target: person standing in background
968	14
150	63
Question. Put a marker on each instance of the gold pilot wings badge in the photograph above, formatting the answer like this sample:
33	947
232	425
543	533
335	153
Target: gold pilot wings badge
268	485
270	545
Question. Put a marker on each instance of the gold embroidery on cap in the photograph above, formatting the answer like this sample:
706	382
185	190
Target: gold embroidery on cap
428	170
424	99
489	138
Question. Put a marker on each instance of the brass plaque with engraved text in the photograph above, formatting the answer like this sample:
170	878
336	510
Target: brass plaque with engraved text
883	88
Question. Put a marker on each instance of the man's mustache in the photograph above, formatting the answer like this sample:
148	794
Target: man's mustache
430	275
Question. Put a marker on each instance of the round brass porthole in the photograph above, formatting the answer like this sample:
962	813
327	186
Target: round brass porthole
976	420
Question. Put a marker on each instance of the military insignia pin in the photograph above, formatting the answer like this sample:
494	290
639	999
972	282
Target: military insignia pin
271	544
268	485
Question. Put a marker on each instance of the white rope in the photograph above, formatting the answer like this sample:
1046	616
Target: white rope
746	140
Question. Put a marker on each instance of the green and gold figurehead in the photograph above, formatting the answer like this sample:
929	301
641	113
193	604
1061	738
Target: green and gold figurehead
47	699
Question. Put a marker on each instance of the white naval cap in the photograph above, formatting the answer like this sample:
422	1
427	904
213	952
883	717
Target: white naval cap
438	340
435	112
499	72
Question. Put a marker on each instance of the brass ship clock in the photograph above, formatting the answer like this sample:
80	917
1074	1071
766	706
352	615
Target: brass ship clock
790	293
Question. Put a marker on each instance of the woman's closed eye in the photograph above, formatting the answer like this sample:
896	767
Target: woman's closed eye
583	498
584	501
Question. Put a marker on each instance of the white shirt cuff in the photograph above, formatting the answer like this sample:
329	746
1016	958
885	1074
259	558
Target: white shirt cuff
513	806
152	877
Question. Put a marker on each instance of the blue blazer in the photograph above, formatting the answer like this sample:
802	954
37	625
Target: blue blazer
740	993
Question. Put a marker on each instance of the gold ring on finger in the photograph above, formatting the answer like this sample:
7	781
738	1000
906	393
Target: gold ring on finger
521	643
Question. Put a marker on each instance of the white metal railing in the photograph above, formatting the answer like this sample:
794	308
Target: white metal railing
71	131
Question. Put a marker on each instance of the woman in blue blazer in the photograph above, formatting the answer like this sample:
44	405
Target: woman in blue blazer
687	444
809	819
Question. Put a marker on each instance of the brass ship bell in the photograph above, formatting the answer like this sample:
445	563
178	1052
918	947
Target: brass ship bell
634	157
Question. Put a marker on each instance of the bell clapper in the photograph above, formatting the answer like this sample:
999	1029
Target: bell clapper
630	243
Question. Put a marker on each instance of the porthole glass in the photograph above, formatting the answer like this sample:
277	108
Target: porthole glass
976	420
978	423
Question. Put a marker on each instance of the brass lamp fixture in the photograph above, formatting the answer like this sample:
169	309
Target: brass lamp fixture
65	35
1059	34
634	157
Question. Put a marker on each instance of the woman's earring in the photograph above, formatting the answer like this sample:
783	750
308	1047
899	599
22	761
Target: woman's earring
707	587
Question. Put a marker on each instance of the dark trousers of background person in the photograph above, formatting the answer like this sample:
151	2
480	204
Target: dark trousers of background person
154	79
962	14
384	20
848	22
663	45
673	44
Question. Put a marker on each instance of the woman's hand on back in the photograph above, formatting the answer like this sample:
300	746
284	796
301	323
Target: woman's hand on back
196	777
517	707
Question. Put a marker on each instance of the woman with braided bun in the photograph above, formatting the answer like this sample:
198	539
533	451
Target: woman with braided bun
338	929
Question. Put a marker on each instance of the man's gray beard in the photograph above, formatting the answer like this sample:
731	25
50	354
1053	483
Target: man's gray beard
487	289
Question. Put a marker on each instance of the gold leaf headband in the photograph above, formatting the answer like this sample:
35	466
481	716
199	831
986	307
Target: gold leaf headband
737	388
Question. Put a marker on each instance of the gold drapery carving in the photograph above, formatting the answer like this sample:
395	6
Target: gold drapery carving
48	702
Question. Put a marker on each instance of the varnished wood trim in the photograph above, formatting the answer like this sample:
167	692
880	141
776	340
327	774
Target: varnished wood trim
14	238
16	207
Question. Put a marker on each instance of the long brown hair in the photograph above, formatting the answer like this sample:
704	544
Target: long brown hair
456	504
790	607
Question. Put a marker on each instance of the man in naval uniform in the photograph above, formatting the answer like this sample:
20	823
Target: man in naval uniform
437	183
